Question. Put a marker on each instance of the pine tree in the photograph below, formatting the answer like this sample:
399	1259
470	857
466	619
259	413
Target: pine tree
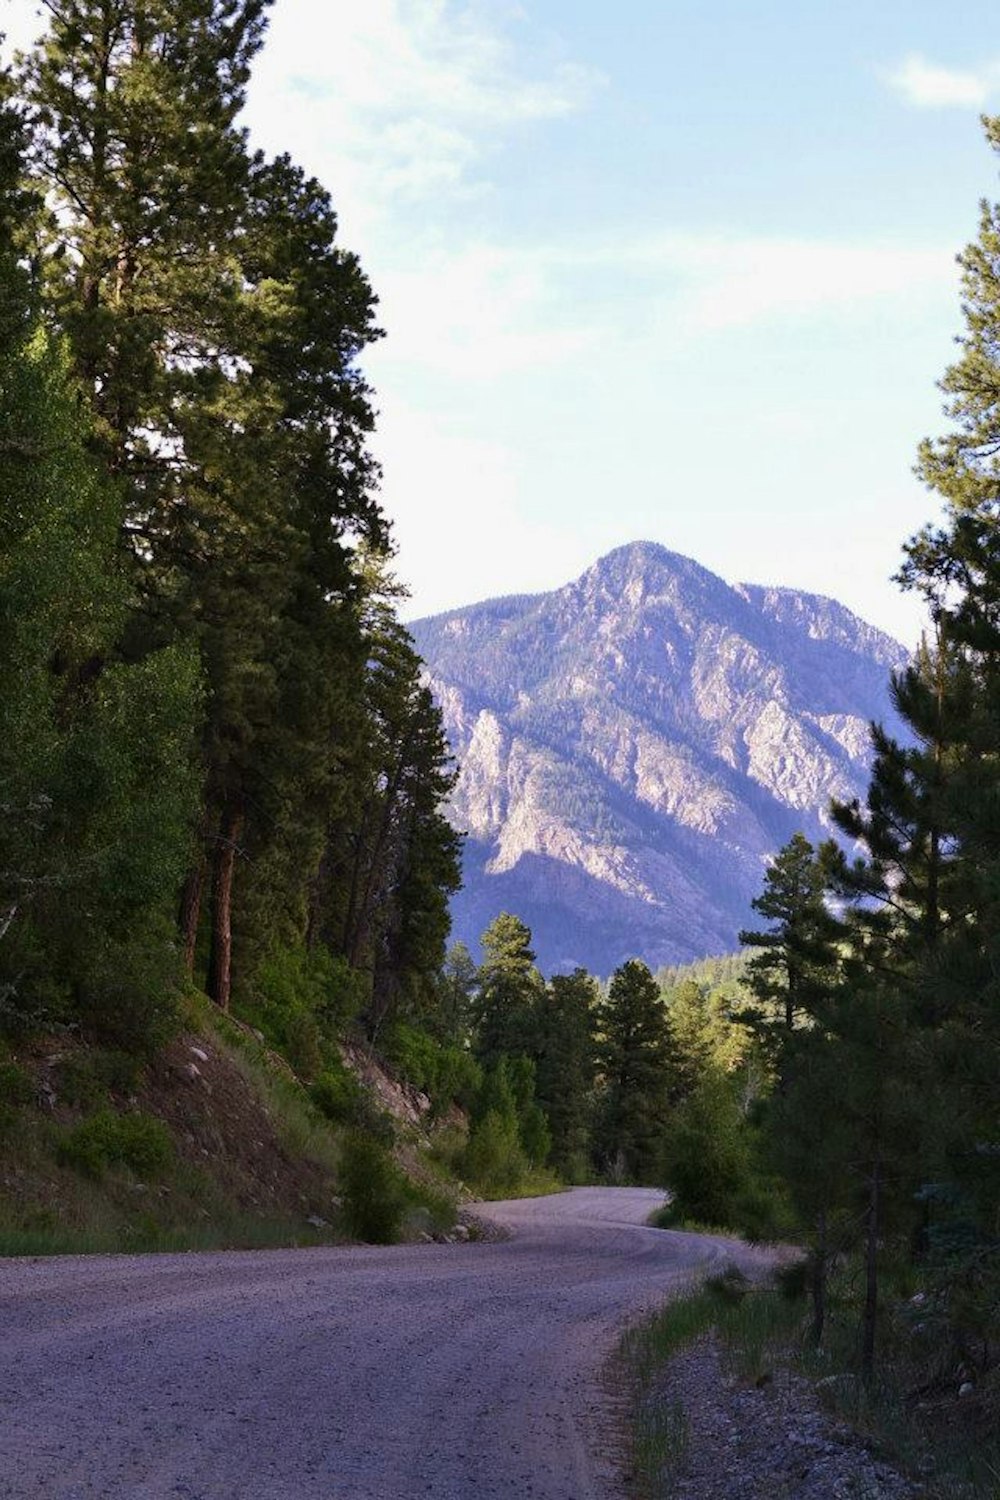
215	324
566	1062
788	973
955	566
510	987
791	979
96	776
637	1077
391	858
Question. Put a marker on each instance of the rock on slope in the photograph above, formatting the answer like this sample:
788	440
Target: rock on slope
636	745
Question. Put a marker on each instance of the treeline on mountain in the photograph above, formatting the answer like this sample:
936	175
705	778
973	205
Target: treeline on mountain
218	763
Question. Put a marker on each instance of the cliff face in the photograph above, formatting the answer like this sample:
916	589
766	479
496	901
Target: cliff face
636	745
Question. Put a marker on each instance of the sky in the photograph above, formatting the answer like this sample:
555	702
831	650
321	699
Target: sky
677	270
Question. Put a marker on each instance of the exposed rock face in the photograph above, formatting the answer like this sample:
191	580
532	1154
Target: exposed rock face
635	746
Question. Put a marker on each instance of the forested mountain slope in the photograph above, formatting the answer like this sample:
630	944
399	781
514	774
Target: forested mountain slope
634	747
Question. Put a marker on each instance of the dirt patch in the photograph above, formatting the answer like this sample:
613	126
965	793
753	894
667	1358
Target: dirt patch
220	1124
399	1099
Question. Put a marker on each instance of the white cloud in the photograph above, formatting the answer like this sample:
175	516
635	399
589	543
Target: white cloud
406	99
484	311
729	283
930	86
480	313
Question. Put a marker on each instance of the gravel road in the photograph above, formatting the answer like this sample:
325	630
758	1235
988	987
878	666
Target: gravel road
458	1372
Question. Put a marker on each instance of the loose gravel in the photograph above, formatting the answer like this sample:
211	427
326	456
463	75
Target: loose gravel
764	1443
458	1372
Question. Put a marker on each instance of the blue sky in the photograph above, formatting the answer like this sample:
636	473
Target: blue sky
655	270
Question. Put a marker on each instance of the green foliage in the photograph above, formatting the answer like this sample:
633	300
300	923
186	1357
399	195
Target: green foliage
302	1000
711	1163
139	1142
509	989
16	1088
338	1095
96	768
636	1064
373	1191
509	1134
446	1074
565	1055
494	1161
789	973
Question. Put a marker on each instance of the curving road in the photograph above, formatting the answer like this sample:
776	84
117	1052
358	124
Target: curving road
457	1372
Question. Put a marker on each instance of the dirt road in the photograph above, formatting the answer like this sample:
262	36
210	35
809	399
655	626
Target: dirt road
456	1372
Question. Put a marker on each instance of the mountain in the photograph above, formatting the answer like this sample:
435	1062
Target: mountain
635	746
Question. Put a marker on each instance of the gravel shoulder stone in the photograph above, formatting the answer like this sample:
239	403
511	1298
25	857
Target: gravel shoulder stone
773	1442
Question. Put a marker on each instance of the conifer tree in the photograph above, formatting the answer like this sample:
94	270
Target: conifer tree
510	987
637	1078
789	970
95	766
566	1061
791	978
955	566
215	324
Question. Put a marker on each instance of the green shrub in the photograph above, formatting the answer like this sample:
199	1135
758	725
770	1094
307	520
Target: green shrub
493	1160
16	1089
336	1093
303	1044
127	993
339	1096
446	1074
373	1191
448	1144
139	1142
301	999
118	1071
536	1137
76	1080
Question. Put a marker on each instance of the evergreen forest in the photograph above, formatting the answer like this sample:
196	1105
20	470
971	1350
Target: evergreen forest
224	781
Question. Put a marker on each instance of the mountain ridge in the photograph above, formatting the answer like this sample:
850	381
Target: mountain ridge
636	744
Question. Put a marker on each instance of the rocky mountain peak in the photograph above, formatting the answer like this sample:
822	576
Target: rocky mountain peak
635	746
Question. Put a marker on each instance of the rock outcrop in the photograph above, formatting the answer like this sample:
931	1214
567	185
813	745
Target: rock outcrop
636	745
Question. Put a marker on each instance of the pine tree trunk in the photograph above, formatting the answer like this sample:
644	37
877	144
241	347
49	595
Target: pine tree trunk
871	1273
190	912
224	863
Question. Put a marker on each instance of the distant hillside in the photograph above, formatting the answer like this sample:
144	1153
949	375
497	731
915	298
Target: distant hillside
636	745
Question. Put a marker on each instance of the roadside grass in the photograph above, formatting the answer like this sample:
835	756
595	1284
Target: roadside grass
538	1182
760	1332
151	1237
55	1208
299	1125
221	1146
668	1217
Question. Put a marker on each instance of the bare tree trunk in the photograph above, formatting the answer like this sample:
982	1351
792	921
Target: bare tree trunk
224	863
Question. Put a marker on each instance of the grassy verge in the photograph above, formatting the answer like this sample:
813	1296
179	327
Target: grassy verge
760	1331
755	1328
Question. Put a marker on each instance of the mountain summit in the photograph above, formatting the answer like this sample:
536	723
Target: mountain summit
635	746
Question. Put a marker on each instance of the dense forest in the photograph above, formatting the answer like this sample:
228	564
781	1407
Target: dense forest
218	762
